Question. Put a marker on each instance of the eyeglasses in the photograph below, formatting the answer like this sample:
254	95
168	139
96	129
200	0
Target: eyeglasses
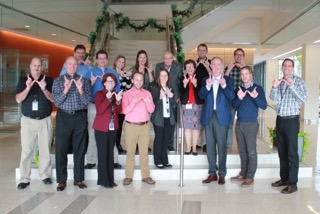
110	81
202	50
80	52
189	66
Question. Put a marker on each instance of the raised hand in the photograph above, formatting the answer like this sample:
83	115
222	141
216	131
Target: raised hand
162	94
136	99
149	68
87	62
29	82
209	81
93	79
276	82
119	95
42	83
109	94
147	99
253	93
289	81
185	81
67	84
129	73
222	81
169	93
230	66
241	94
141	69
206	63
194	80
79	83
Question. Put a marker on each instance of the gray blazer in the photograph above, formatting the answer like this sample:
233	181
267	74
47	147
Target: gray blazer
157	116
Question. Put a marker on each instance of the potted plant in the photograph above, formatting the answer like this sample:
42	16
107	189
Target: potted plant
303	142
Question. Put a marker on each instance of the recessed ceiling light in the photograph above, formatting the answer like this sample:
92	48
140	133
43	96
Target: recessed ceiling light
27	26
73	40
53	34
316	41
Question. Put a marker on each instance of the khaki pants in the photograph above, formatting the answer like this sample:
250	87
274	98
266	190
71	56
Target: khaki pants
137	134
92	152
31	131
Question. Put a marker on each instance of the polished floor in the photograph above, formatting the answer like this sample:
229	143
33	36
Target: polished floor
166	196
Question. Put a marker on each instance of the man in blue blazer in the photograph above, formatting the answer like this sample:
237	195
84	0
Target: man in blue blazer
217	91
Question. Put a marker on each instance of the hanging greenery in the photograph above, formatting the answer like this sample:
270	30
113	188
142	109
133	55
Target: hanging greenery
124	22
92	37
184	13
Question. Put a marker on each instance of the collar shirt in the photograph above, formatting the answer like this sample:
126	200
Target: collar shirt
215	88
82	70
235	75
35	95
97	86
73	100
289	98
248	86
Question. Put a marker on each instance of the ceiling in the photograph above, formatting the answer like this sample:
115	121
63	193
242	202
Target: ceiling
242	20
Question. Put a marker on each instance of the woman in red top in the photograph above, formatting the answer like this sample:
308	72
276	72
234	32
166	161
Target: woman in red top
108	105
191	107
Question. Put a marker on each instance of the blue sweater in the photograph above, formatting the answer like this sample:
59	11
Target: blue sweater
247	108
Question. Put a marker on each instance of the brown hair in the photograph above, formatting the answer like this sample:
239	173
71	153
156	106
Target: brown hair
239	49
190	61
114	78
137	61
116	60
288	59
158	80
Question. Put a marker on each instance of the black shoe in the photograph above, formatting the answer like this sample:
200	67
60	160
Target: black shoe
114	185
204	148
107	186
279	183
61	186
120	149
289	189
117	166
195	153
90	165
187	153
168	165
171	149
149	149
198	147
160	166
221	180
47	181
23	185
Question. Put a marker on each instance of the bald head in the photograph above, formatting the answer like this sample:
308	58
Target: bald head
35	67
168	58
72	65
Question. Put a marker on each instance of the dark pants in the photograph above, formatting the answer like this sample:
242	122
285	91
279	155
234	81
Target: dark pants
71	131
119	131
246	134
161	138
216	136
173	128
105	144
287	136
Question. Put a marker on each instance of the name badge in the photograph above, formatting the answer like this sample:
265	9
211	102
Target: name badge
111	126
189	106
35	106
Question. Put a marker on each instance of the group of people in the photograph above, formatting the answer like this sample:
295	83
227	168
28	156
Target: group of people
98	101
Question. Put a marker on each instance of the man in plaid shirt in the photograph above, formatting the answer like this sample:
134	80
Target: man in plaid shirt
233	71
289	92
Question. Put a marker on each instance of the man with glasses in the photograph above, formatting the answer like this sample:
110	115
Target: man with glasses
95	77
202	72
175	71
233	71
84	65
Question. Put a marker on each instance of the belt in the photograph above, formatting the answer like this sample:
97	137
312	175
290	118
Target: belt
289	117
72	112
138	123
37	118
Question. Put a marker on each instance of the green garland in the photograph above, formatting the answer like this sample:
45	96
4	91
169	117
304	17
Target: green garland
183	13
124	22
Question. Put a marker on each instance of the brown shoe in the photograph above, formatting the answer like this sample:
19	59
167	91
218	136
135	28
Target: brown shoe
210	179
127	181
148	180
238	178
221	180
289	189
61	186
279	183
80	184
247	183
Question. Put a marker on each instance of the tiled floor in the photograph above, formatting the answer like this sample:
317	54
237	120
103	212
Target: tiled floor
165	196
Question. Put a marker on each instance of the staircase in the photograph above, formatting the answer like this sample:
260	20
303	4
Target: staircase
195	168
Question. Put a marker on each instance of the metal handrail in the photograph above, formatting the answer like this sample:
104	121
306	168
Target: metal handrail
181	132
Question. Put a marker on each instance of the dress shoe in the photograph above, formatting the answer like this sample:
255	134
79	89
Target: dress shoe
127	181
198	147
117	166
23	185
47	181
171	149
61	186
204	148
114	185
120	149
80	184
210	179
279	183
107	186
289	189
90	165
238	178
160	166
221	180
168	165
247	182
187	153
195	153
148	180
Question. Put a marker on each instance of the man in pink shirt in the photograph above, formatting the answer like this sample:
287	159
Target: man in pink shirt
137	105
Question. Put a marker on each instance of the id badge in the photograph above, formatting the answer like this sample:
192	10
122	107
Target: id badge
111	126
189	106
35	106
168	111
